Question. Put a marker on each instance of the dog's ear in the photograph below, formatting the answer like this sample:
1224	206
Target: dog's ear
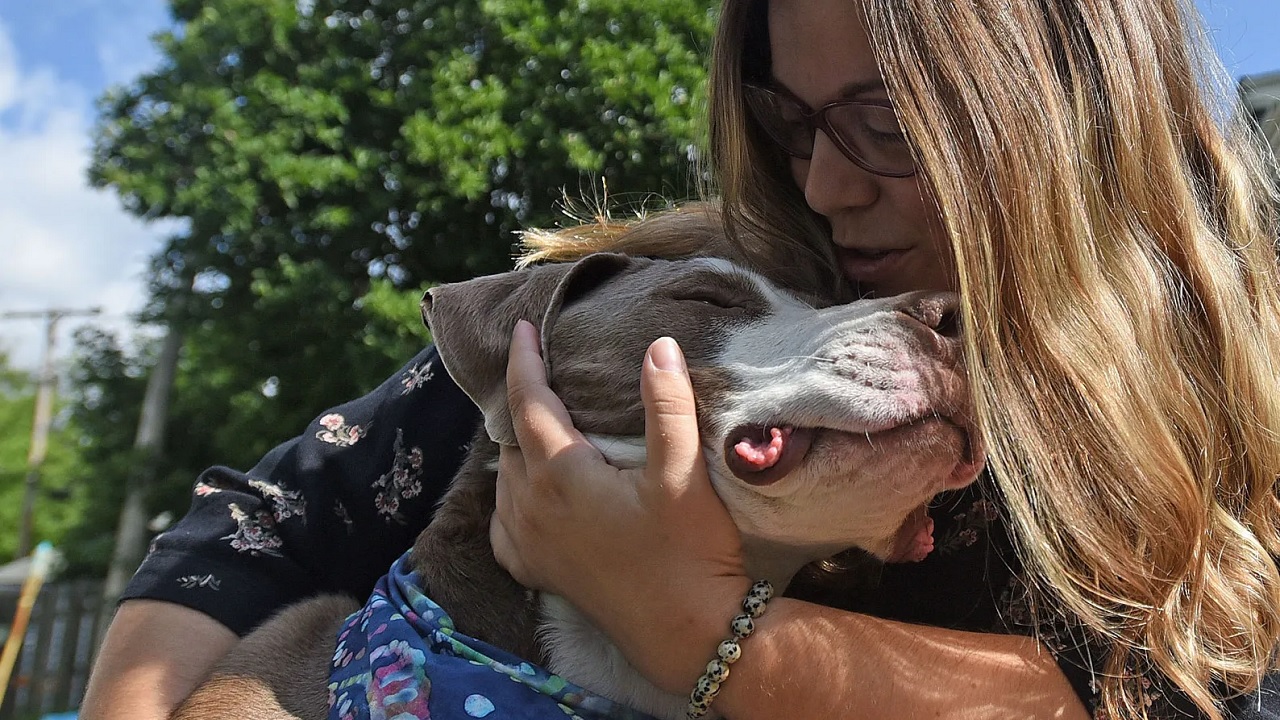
471	323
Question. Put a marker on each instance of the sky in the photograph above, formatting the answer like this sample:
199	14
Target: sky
62	243
66	245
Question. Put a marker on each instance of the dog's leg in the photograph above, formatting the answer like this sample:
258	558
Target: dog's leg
279	671
459	573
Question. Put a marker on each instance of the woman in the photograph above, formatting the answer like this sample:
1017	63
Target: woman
1070	175
1112	243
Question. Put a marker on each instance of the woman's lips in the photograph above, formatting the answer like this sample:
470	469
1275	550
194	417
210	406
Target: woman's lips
870	267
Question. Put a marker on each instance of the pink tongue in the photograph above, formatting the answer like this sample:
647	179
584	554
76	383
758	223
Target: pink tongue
760	455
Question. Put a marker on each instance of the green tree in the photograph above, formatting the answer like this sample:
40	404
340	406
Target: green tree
225	413
60	502
106	384
401	138
331	158
319	344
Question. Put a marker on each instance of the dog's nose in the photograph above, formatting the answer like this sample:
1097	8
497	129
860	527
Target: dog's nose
939	311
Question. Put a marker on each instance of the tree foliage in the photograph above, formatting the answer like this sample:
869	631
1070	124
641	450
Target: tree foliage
105	400
60	498
332	158
404	138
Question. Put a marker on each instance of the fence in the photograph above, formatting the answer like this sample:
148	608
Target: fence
56	656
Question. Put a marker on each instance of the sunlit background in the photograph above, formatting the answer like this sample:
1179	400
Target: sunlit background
332	218
63	244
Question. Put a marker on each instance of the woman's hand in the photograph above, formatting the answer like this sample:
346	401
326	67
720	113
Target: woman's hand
650	555
653	559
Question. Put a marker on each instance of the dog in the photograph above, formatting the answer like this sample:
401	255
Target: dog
824	429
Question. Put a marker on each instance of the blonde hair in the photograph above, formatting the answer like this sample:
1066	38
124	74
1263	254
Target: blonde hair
1113	224
672	232
682	230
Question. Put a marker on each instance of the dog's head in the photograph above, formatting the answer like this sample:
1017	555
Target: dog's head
823	428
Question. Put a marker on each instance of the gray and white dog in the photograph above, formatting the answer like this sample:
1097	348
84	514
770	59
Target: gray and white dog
823	429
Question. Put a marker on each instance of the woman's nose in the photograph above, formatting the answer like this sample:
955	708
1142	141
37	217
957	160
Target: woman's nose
833	183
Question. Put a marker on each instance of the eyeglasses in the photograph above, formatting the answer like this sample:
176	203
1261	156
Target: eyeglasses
867	133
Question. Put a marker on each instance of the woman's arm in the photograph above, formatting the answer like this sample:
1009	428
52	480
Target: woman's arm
653	559
153	656
328	510
807	660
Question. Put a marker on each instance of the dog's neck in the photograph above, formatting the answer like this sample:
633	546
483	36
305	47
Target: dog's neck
579	652
778	563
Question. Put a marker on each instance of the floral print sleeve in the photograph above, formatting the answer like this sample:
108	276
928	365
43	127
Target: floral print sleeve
329	510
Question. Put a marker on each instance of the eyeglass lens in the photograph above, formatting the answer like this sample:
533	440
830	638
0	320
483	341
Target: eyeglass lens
868	134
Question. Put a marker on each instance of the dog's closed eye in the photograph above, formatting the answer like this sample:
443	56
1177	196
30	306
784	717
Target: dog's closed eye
713	299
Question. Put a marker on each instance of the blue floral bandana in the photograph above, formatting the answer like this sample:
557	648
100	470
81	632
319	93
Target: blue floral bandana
400	658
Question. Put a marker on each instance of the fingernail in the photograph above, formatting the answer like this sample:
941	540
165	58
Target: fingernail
527	332
665	354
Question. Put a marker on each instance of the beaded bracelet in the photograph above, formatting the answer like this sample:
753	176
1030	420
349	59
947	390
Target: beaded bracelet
708	686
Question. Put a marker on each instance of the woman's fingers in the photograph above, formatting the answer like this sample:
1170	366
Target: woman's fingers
511	478
671	419
540	420
632	549
551	483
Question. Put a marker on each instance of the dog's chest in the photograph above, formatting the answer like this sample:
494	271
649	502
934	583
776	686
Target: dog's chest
580	653
583	655
456	561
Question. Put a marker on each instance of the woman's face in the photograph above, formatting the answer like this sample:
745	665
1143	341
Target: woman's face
889	238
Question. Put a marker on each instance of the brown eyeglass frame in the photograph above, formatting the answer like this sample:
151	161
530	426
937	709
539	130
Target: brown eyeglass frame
817	120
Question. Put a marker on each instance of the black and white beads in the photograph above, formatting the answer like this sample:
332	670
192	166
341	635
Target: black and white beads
728	652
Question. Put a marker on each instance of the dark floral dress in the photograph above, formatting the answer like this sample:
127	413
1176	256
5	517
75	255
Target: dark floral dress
333	508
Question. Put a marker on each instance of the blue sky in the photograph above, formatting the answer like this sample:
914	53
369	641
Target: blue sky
90	42
64	244
1245	32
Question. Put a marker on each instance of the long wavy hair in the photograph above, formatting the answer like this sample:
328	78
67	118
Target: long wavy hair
1113	220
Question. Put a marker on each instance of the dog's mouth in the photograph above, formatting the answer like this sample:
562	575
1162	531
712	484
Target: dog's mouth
764	454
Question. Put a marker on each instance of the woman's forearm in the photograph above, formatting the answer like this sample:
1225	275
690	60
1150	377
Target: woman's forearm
806	660
153	656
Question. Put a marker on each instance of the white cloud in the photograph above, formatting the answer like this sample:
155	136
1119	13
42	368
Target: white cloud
63	244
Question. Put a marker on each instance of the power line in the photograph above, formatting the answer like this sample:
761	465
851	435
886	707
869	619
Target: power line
65	312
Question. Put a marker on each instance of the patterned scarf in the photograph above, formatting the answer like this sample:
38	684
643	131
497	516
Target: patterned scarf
400	658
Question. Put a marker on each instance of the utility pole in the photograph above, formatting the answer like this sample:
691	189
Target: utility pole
46	383
131	533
